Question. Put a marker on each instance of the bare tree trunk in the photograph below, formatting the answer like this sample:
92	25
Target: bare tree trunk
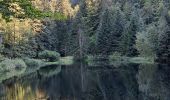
14	32
80	43
14	41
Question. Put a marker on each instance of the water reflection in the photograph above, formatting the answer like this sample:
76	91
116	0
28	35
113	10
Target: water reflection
82	82
154	82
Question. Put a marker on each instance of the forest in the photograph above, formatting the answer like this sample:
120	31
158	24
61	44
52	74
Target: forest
84	49
49	29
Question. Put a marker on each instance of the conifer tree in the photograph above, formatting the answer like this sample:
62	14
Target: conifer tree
110	30
163	52
127	44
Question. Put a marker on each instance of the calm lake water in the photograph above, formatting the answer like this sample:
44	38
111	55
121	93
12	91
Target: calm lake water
99	82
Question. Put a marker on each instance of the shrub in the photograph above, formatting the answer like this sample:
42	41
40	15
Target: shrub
11	67
51	56
9	64
19	63
115	56
1	57
144	44
33	62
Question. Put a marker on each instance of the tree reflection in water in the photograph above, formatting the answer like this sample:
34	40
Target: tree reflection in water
82	82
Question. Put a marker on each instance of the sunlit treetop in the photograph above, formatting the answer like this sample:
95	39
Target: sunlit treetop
24	9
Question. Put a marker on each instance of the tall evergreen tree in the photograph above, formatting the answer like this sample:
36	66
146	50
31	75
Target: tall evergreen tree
77	44
127	44
110	30
163	52
91	23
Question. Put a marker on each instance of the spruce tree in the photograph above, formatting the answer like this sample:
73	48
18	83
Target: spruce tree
163	52
127	44
110	30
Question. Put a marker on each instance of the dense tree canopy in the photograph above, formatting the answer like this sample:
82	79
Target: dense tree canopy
131	28
24	9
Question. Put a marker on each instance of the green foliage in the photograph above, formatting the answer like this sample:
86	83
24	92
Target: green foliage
143	45
9	64
67	60
141	60
163	51
127	44
29	11
99	28
24	49
33	62
11	67
1	57
115	56
54	16
110	31
51	56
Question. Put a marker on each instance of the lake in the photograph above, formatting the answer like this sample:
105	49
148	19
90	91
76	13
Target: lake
81	81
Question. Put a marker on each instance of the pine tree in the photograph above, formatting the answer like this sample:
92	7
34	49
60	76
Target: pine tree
110	30
127	44
91	22
163	52
76	39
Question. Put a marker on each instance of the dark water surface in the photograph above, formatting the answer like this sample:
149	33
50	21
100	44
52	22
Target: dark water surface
82	82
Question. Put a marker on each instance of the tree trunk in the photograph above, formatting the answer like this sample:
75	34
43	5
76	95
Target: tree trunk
80	44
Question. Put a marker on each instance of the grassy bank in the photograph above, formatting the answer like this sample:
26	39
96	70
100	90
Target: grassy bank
16	67
62	61
117	59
